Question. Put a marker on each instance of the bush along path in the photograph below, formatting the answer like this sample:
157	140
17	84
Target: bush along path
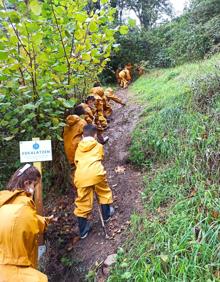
72	259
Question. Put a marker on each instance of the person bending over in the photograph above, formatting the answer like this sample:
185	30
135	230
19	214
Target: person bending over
19	228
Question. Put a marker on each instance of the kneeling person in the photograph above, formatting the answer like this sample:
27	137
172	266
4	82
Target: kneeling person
90	177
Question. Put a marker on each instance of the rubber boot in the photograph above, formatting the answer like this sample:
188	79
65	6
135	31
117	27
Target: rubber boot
107	212
102	140
84	227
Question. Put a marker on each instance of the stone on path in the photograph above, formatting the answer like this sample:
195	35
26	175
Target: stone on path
110	260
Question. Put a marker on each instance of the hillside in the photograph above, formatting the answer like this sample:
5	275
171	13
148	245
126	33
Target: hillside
177	145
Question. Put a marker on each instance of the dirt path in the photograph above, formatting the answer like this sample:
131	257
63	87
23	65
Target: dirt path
70	258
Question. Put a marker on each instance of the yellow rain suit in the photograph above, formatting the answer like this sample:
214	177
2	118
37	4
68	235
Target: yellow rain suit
98	92
90	177
125	78
109	93
89	114
19	229
72	135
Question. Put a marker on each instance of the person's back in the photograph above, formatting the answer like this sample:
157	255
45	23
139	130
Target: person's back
88	157
72	135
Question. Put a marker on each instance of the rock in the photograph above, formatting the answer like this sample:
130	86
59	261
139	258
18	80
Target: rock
105	270
110	260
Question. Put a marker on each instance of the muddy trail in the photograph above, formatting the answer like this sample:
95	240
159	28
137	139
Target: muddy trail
69	258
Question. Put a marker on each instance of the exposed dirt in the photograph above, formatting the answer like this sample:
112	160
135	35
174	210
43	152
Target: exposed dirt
69	258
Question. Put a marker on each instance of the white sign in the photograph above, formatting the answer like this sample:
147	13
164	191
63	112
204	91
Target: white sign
35	151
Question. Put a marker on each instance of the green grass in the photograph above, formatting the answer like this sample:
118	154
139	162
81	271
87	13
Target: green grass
177	143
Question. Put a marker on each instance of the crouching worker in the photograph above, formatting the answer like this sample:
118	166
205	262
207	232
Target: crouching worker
90	177
90	118
19	228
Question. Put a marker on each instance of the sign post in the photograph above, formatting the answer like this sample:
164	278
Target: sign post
37	151
38	197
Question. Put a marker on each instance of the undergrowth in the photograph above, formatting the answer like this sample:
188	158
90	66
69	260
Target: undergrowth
177	143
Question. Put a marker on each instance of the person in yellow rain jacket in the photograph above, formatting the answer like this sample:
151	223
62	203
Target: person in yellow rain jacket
90	177
109	93
125	76
19	228
97	91
73	132
90	117
107	110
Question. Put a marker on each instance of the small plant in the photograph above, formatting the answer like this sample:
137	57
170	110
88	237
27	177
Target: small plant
66	261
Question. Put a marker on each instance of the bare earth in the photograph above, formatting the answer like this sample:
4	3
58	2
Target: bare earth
69	258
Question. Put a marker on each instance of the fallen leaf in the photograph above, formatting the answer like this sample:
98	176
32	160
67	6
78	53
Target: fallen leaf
215	214
192	192
120	169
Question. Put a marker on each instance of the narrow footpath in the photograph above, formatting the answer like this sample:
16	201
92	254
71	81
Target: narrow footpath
70	259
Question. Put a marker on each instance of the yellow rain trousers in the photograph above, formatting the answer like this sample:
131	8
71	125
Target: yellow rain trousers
109	93
19	229
90	177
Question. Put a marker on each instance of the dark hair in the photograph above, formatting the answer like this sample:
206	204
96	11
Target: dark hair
90	98
96	84
18	179
89	130
79	110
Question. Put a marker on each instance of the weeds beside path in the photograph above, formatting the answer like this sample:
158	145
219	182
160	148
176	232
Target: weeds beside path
70	258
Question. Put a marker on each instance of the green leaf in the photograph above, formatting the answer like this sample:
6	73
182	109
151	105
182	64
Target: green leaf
3	55
93	27
132	22
14	17
35	7
69	104
123	29
126	275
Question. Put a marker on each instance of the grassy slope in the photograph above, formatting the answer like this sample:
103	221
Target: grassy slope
178	143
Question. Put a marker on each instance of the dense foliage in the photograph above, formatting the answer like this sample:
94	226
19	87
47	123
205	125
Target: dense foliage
50	53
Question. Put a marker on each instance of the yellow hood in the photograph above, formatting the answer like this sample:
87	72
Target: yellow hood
7	196
72	119
87	144
98	91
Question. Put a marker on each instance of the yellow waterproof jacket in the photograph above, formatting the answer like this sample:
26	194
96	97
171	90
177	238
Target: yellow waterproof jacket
100	119
89	114
99	91
109	93
72	135
19	229
12	273
89	168
125	74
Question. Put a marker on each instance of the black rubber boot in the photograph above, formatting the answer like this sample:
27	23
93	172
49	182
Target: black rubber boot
102	140
84	227
107	211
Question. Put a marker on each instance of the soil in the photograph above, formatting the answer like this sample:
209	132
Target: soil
69	258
